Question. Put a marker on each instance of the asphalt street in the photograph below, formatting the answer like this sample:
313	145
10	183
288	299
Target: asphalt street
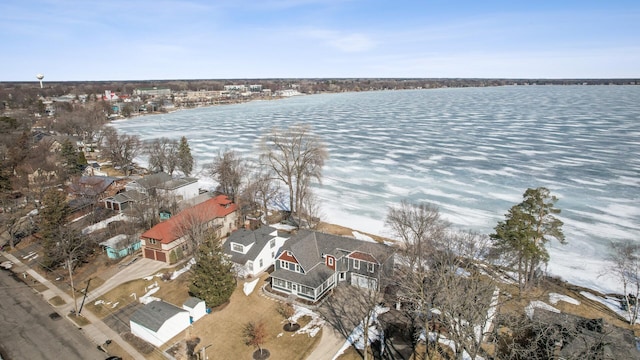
30	329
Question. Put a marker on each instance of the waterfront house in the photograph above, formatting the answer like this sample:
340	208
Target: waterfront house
312	263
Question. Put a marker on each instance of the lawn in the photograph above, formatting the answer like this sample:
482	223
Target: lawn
223	329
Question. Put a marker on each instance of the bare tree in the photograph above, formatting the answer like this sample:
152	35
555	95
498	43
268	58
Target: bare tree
163	155
464	298
351	311
261	190
311	210
194	228
120	149
229	170
296	157
625	265
255	334
418	227
287	310
438	266
72	248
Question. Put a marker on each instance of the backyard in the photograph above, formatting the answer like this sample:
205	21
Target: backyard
220	331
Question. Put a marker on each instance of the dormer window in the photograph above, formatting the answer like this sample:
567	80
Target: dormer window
370	267
289	253
237	248
356	264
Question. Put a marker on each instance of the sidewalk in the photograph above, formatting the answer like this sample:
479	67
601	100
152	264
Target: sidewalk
97	331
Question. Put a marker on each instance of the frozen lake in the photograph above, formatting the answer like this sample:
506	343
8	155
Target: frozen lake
471	151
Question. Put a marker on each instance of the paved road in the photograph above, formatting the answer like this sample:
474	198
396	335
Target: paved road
28	332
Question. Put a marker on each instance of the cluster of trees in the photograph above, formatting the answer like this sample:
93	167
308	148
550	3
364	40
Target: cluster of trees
166	155
445	284
293	157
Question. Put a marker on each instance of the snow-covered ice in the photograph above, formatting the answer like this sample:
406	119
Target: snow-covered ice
472	152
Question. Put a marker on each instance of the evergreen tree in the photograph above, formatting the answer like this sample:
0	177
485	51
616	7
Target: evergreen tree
212	279
528	226
185	160
71	157
53	217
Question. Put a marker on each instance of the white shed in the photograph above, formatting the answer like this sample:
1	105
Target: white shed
196	308
157	322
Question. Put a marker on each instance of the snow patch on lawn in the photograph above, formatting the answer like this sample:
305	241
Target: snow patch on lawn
608	301
313	327
363	237
183	270
555	297
249	286
147	298
356	338
536	304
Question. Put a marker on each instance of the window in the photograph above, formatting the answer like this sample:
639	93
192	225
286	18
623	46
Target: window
343	276
283	264
330	261
237	247
272	243
273	255
356	264
370	267
152	241
297	268
261	263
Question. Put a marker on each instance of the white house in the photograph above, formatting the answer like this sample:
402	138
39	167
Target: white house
252	252
157	322
180	189
196	308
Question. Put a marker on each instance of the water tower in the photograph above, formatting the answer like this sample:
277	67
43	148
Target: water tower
40	77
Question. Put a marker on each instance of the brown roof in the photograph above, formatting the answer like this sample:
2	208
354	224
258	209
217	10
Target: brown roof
168	231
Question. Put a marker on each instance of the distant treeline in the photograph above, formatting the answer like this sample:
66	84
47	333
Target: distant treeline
23	93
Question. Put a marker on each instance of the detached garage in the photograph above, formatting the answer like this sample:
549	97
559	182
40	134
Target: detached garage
196	308
158	321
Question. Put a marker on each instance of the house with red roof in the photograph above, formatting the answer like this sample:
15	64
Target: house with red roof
312	263
169	241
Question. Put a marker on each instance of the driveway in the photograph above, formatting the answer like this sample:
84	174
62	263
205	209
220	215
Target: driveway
136	270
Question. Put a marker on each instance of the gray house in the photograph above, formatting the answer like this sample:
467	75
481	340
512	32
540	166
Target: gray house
312	263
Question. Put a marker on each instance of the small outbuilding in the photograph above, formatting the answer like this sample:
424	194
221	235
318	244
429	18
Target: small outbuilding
120	246
158	321
196	308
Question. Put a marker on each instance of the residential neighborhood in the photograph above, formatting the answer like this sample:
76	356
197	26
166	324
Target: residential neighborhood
233	258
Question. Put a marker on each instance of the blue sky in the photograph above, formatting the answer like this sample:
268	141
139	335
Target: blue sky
227	39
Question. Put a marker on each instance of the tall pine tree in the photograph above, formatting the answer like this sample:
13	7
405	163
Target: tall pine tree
53	217
522	237
212	279
185	160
